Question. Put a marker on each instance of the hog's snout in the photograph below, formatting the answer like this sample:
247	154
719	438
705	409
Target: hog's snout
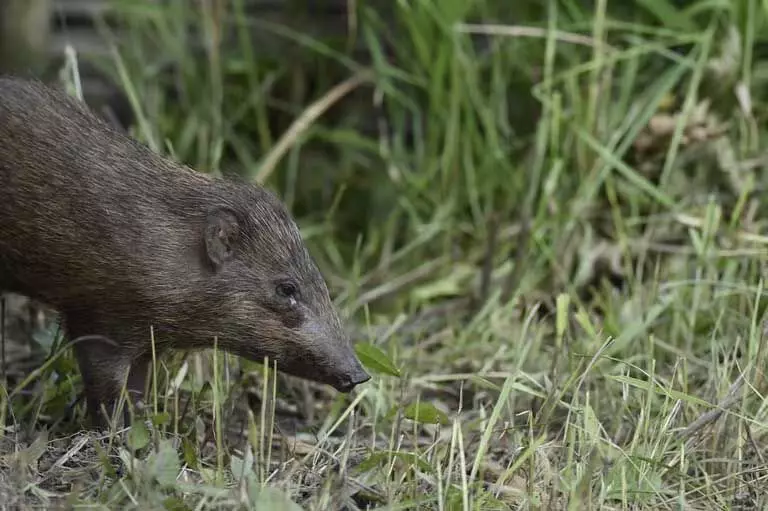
347	381
343	370
328	355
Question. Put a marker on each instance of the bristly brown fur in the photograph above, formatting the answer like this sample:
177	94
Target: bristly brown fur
118	238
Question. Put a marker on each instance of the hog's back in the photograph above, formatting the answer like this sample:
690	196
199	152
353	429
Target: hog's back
85	212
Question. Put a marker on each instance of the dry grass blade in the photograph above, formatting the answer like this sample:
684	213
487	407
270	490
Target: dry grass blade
305	120
536	32
711	416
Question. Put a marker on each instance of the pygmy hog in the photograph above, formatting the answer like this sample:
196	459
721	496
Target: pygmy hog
118	239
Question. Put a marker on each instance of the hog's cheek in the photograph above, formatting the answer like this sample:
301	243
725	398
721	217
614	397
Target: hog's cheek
242	319
292	318
318	343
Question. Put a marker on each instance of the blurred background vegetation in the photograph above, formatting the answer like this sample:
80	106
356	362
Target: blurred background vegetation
448	135
545	215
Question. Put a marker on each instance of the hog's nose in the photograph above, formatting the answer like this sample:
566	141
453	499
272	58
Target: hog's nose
352	379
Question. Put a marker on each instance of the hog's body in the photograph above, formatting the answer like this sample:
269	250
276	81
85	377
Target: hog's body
118	238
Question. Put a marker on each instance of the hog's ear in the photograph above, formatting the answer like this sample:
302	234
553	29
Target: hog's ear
221	233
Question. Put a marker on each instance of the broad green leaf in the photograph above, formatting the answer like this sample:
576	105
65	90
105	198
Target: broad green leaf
270	498
175	504
380	457
164	465
29	455
190	455
425	413
241	466
138	436
161	419
375	359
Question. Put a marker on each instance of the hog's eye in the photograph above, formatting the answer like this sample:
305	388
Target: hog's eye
287	290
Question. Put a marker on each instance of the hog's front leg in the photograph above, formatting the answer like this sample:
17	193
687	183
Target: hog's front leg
105	368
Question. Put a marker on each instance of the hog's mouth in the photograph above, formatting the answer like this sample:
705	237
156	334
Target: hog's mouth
346	385
343	376
341	381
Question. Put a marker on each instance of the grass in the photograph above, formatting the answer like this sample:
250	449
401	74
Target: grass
543	223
